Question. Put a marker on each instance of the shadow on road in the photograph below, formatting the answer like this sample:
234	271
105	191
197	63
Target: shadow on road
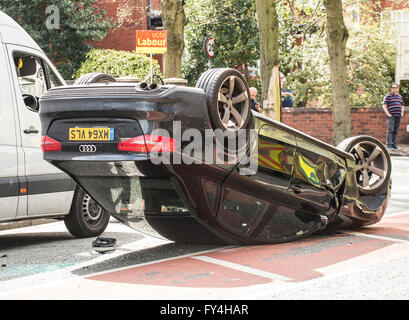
165	251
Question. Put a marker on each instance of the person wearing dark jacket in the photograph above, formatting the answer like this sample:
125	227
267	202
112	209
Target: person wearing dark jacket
254	104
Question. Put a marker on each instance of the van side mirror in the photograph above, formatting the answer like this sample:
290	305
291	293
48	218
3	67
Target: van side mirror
31	102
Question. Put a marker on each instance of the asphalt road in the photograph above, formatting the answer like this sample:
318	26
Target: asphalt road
45	262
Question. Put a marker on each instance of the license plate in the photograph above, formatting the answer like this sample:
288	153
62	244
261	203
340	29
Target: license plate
91	134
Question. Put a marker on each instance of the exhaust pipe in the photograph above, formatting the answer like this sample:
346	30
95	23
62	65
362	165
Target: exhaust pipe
144	86
153	86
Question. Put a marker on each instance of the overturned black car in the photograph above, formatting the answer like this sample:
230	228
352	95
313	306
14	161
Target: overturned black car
197	165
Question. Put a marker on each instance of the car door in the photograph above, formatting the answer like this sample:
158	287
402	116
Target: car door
9	184
49	191
318	172
257	204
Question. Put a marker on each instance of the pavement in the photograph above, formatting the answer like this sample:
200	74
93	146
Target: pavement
403	151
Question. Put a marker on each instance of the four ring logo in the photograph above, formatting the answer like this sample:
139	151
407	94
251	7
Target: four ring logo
87	148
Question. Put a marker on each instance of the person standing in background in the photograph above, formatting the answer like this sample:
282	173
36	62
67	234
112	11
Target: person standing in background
394	110
254	104
286	94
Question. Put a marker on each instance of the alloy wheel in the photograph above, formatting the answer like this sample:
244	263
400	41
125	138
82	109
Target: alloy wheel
371	165
233	103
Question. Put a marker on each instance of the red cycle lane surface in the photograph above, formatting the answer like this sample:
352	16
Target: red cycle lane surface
184	272
252	265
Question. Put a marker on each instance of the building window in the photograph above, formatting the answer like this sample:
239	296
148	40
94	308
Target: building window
307	3
397	20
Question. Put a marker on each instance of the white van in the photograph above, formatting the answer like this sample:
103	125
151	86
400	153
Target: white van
30	187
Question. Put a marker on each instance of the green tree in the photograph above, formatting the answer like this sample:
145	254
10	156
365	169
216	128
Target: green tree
268	30
307	71
174	20
337	35
302	53
68	39
371	17
370	57
232	24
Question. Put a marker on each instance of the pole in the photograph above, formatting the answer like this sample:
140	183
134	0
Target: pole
151	67
398	60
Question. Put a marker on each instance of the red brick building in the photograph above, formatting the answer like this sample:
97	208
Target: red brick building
130	15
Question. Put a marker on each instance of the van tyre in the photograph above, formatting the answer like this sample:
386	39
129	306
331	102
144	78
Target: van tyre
372	163
86	218
95	77
228	99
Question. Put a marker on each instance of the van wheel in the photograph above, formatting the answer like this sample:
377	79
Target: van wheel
95	77
228	99
86	218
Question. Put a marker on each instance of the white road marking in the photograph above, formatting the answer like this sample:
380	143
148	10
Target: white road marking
242	268
373	236
189	255
273	289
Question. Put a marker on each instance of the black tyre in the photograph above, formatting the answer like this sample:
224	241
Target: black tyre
372	163
95	77
86	218
228	99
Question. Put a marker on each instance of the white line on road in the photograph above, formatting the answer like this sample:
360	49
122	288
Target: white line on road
266	292
373	236
242	268
188	255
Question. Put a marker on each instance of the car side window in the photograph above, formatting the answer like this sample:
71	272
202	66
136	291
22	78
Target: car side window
276	150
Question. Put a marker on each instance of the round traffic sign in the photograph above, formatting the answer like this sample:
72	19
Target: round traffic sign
208	47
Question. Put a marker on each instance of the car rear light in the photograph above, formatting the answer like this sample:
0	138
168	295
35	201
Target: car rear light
148	143
49	144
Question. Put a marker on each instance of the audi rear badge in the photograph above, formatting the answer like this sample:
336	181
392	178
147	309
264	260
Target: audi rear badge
87	148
